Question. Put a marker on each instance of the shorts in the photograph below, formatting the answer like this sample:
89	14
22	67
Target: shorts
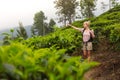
87	46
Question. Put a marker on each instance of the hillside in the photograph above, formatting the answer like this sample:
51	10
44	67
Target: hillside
107	28
56	56
106	44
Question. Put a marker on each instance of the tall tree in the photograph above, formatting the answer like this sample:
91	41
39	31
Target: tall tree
33	31
46	28
39	20
87	8
51	25
21	32
66	9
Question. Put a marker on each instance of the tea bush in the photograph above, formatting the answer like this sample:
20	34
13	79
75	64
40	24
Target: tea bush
62	39
48	57
18	62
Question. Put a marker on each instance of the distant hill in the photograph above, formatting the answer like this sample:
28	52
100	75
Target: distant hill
27	28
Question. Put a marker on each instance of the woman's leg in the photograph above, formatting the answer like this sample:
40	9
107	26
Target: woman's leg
89	49
84	51
85	54
89	55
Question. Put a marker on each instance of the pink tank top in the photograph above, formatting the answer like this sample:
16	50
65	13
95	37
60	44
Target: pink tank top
86	35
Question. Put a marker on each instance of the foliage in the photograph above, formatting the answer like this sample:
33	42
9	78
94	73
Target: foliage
61	39
111	34
87	8
66	9
107	26
21	32
17	62
104	27
40	27
7	38
48	57
39	22
51	25
12	31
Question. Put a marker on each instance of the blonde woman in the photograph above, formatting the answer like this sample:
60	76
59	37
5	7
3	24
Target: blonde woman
88	35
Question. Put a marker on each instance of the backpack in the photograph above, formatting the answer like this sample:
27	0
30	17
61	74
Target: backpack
91	38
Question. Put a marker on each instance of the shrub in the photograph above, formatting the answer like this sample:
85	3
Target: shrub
17	62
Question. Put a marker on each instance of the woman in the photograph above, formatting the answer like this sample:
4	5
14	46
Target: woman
87	38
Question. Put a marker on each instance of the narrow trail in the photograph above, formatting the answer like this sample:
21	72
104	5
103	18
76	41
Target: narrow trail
109	69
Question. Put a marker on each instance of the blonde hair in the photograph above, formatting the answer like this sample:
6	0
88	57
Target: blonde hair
87	22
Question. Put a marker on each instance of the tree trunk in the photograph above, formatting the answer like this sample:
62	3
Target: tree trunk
70	19
65	21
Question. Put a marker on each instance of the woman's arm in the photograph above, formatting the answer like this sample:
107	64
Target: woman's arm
79	29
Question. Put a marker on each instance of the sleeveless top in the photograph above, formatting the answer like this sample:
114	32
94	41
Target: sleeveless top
86	35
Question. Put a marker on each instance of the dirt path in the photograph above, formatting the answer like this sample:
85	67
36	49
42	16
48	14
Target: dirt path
109	68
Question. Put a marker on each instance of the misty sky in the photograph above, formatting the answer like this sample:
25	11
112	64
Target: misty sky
13	11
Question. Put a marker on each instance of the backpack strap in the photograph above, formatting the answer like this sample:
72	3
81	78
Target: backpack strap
83	30
91	38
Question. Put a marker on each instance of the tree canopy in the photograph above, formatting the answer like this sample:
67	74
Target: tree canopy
66	9
87	8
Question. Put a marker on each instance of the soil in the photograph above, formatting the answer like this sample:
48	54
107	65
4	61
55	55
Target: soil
109	68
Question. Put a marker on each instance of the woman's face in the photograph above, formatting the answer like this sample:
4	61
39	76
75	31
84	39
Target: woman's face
85	24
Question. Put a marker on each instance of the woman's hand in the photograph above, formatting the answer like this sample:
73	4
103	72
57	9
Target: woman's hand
69	25
92	31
